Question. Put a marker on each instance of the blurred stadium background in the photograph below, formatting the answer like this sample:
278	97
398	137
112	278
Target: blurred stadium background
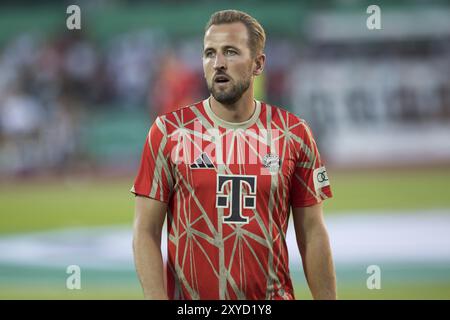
75	107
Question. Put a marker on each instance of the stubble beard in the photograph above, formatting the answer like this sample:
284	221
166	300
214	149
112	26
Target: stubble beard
231	95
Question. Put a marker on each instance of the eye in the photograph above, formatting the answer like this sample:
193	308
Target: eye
209	54
230	52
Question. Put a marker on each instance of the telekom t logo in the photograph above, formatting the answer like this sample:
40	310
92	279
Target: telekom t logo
233	200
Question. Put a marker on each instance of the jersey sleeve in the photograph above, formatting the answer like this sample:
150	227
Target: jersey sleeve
310	184
155	176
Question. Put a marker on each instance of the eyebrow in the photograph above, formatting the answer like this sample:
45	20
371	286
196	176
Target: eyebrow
224	48
232	47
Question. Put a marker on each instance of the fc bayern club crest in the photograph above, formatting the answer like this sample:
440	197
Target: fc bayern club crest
272	162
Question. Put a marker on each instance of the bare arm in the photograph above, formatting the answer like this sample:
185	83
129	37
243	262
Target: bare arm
149	219
314	245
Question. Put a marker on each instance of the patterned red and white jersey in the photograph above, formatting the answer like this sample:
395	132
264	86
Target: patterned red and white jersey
229	188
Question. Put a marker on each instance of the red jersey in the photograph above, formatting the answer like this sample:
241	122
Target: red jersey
229	188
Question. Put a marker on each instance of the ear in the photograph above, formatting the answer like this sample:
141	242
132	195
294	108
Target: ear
260	61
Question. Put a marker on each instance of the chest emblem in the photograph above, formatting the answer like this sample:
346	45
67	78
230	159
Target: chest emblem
272	162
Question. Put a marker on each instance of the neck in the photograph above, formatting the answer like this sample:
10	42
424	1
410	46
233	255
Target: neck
239	111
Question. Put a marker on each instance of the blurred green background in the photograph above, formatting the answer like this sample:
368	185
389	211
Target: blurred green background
75	106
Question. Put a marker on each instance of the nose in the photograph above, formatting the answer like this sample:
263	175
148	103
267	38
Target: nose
219	62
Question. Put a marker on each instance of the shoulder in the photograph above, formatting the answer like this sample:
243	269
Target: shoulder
174	119
284	118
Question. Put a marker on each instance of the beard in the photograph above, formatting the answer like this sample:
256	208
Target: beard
232	93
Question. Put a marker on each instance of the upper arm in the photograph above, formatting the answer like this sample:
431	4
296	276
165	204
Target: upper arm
310	184
149	216
155	178
308	221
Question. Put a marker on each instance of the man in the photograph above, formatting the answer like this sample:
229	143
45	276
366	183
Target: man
227	170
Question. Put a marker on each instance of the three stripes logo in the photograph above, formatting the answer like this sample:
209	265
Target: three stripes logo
202	162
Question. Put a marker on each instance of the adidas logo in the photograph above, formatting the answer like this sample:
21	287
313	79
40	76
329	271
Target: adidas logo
202	162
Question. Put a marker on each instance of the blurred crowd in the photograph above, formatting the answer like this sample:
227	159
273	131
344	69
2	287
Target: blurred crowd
389	91
49	86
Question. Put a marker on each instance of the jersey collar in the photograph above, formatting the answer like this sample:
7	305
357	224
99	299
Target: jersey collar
232	125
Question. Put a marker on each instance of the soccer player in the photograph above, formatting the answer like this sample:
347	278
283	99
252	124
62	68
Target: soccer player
226	172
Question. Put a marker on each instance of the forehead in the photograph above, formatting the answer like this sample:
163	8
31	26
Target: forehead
227	34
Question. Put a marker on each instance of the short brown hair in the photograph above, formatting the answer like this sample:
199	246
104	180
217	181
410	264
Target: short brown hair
256	34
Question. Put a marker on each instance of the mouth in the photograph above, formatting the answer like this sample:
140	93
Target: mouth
221	79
